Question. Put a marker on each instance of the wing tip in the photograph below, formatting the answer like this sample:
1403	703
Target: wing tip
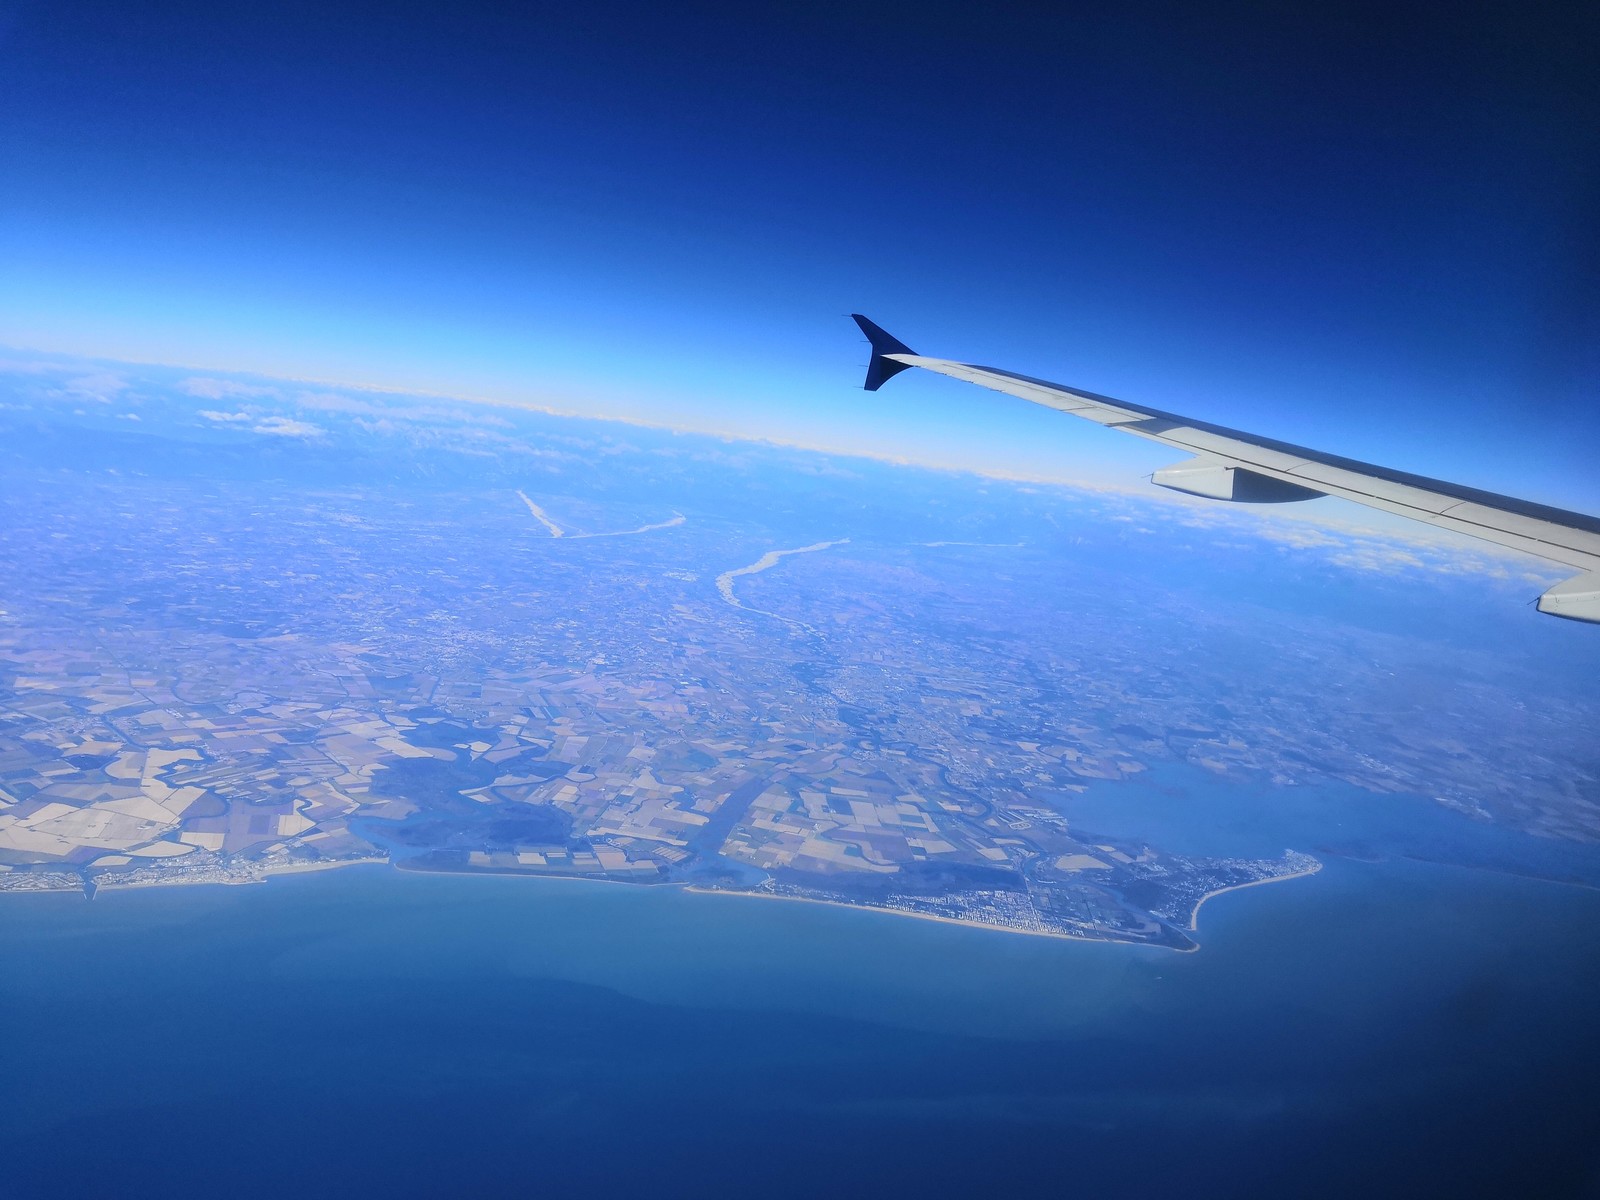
881	369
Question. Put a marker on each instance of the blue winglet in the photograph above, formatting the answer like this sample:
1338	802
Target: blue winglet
880	370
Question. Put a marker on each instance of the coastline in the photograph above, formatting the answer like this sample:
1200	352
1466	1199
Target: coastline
902	912
1194	916
497	873
301	868
111	883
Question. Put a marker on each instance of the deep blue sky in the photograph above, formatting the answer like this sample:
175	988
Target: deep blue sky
1375	228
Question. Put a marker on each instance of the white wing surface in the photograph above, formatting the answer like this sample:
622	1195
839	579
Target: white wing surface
1231	465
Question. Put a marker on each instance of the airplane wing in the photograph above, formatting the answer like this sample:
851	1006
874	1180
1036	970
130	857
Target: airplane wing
1231	465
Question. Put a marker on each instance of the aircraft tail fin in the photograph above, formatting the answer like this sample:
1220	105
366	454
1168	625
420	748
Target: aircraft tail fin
881	369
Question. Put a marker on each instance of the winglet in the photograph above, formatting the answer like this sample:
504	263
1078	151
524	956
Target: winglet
880	370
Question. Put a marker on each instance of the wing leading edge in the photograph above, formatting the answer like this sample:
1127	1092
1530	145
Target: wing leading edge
1229	464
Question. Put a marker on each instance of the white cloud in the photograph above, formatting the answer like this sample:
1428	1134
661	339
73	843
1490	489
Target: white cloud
396	409
1305	537
222	389
271	426
1386	560
286	427
104	387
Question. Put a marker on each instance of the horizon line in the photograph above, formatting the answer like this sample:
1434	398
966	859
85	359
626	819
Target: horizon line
1402	530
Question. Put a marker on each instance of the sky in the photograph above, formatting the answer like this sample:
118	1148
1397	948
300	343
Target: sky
1370	228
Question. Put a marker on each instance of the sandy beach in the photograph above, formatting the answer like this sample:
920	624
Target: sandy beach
901	912
300	868
1194	917
111	882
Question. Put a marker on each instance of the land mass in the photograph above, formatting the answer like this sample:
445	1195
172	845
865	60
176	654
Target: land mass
1041	915
282	678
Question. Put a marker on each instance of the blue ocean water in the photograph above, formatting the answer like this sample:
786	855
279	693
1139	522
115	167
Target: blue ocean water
1382	1028
1185	810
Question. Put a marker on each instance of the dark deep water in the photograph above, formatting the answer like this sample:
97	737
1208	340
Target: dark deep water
1394	1028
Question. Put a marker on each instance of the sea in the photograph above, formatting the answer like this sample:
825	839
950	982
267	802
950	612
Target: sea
1399	1024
